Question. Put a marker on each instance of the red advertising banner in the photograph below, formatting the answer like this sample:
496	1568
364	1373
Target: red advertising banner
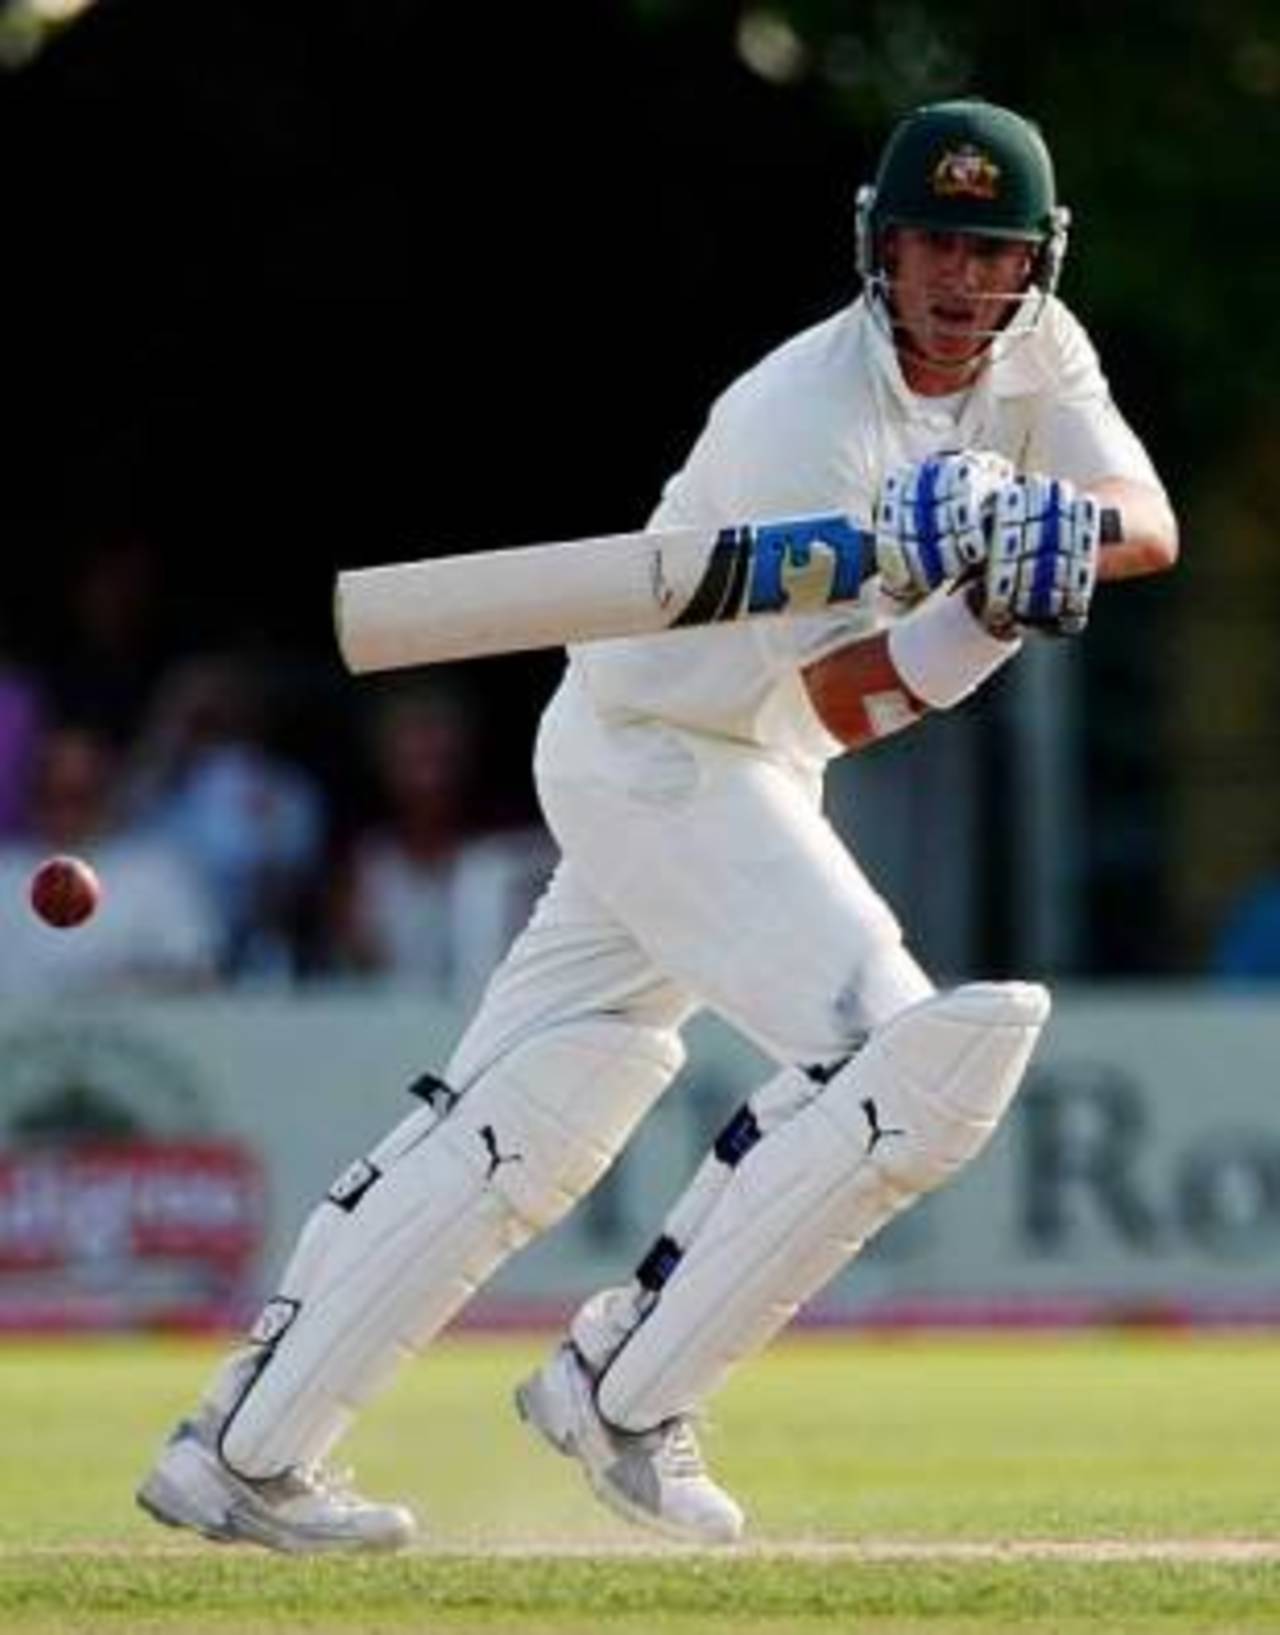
127	1233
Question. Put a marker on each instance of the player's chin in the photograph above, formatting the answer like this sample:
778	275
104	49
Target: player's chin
955	343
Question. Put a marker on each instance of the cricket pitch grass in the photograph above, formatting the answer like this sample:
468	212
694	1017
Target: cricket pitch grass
1093	1482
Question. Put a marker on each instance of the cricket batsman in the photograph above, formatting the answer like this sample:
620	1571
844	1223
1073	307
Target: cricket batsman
958	408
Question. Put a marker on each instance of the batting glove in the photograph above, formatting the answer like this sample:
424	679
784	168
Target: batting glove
1043	560
932	520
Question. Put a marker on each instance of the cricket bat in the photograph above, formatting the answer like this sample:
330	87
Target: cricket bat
534	596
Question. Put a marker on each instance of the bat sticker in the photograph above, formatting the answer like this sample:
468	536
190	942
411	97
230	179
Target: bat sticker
805	566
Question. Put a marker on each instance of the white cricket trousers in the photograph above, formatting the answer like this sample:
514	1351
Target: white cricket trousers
696	872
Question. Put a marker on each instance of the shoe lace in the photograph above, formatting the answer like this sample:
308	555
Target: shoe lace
335	1486
673	1445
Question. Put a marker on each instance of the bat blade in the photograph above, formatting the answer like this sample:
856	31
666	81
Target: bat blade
447	608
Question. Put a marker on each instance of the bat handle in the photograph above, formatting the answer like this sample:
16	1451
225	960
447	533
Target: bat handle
1111	526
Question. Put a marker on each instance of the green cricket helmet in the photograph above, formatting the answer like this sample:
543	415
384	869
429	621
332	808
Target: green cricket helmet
966	166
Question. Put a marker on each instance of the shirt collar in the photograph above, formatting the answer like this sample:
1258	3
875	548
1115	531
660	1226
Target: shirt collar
883	363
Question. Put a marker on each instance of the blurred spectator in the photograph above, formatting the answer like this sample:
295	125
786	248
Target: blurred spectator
251	822
112	650
420	898
1248	944
153	930
21	716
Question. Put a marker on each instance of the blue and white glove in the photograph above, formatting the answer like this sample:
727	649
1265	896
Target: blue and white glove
932	520
1042	563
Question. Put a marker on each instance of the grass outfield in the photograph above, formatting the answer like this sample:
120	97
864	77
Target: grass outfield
1100	1483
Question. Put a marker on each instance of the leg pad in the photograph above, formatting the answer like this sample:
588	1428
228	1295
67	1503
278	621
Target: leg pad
409	1233
918	1101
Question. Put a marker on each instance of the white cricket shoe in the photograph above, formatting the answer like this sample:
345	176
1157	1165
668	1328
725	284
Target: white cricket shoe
655	1477
304	1512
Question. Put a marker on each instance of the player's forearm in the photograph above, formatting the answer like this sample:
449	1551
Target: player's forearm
1149	538
929	660
859	695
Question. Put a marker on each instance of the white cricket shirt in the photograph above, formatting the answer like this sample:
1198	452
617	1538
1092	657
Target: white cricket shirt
814	428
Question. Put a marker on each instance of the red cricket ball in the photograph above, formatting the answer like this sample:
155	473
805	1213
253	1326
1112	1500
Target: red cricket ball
65	891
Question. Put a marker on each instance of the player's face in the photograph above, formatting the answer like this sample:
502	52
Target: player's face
950	292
